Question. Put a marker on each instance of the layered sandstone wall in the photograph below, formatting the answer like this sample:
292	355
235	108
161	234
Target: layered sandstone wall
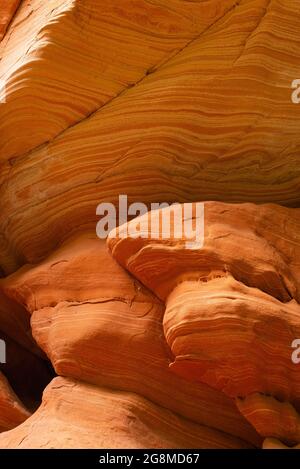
154	344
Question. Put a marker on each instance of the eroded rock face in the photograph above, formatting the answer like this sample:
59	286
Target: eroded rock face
96	417
154	343
99	325
12	411
7	11
232	307
176	112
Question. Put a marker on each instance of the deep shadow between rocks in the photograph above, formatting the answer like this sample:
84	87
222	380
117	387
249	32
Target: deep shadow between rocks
28	372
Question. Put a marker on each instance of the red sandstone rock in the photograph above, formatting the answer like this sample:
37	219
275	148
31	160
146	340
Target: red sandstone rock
159	344
195	104
7	10
232	306
115	335
79	415
12	411
271	418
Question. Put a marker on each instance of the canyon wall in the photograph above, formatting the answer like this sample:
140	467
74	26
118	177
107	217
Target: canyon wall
143	341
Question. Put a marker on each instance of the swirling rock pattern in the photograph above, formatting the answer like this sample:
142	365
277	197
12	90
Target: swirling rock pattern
86	418
231	315
115	336
155	344
266	412
206	113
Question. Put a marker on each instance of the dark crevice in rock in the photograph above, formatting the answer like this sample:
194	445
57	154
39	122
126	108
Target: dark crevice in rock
27	373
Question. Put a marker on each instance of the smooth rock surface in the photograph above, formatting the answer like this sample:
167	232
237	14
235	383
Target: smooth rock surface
95	417
156	342
114	333
7	11
213	120
12	411
232	305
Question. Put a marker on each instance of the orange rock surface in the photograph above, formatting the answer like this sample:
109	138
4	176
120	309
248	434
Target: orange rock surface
115	336
231	314
12	411
7	11
195	104
146	341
